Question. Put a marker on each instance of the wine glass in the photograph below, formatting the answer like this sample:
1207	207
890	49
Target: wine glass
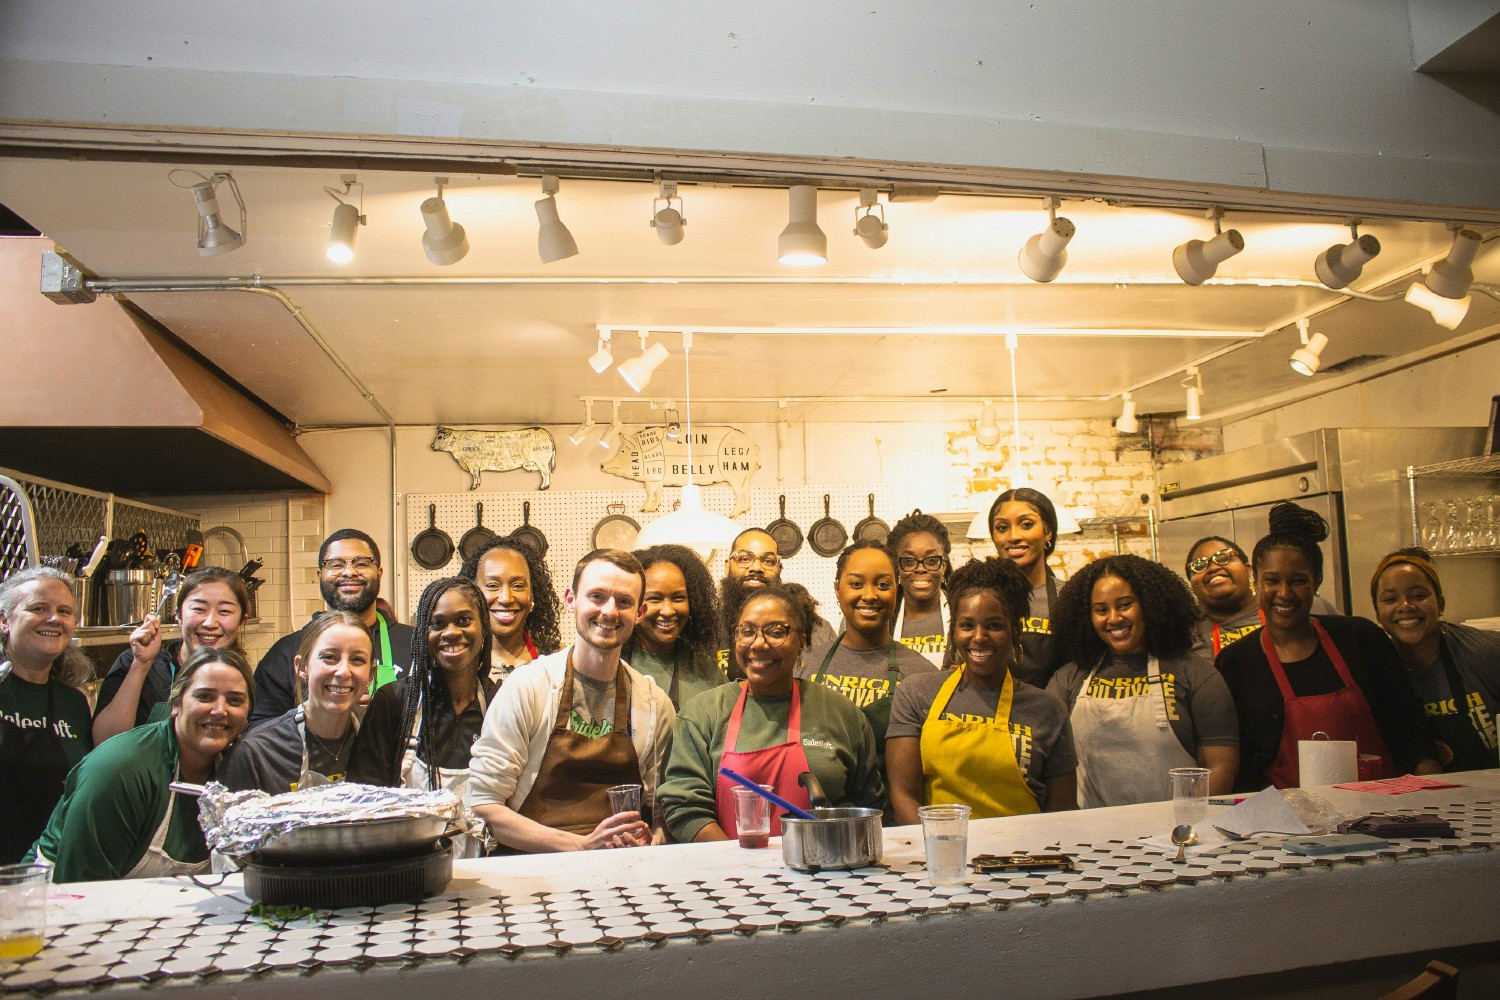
1432	528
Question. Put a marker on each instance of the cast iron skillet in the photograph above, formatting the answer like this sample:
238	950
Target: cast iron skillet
476	537
788	536
616	530
827	536
872	528
432	548
531	537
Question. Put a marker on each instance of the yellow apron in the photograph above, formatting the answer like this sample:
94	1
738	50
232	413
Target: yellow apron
974	763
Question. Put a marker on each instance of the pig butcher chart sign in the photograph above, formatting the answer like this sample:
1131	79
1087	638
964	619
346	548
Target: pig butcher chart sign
720	455
477	452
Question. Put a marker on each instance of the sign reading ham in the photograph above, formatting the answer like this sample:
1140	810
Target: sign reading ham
478	452
720	455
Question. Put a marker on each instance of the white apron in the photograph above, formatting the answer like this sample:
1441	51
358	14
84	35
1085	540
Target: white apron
156	863
416	774
1125	745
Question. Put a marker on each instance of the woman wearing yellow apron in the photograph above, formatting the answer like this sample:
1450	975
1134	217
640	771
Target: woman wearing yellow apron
977	735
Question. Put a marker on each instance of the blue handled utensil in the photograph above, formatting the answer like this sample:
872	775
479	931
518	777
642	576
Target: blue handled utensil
771	797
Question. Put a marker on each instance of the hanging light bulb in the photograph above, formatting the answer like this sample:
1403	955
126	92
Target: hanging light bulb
1046	254
987	431
346	221
1196	261
445	241
553	241
604	356
583	431
666	220
802	243
1307	359
868	226
1193	384
1126	422
1341	264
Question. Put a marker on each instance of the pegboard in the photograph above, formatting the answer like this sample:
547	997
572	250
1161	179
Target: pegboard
568	518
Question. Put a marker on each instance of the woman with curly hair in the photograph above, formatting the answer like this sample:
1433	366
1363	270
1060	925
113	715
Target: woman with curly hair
976	734
523	604
1142	701
1023	526
676	640
921	545
1307	674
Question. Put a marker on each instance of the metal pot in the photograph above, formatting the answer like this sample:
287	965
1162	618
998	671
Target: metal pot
839	838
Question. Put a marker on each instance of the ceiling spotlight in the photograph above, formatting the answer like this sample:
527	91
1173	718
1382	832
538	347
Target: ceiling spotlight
553	241
611	435
1444	291
802	243
1045	254
1446	313
637	371
1341	263
346	221
214	237
868	226
582	432
1193	384
445	241
674	424
604	356
1307	359
1196	261
1126	422
666	220
987	432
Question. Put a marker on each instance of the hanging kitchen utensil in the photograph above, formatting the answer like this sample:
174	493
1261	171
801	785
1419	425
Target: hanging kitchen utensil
615	529
476	537
788	536
527	535
223	546
826	535
432	548
872	528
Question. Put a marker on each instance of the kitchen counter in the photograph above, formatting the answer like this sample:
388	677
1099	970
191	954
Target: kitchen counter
705	919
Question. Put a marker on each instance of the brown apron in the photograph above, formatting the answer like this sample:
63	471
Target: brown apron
571	789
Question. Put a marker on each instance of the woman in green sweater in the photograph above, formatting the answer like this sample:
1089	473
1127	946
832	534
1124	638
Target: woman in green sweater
770	728
676	640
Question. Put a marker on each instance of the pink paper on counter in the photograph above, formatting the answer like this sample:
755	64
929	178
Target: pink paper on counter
1398	786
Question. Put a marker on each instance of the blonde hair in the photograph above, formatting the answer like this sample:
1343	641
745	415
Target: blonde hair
71	667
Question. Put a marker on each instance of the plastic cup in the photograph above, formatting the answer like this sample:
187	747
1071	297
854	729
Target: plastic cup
945	835
1189	795
624	798
752	817
23	908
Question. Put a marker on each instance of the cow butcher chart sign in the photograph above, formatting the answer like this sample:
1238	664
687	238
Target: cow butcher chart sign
720	455
478	452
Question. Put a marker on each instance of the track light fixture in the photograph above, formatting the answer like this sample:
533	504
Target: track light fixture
637	371
1444	290
868	226
668	221
604	356
1126	422
987	432
445	241
611	435
1193	384
1196	261
346	220
1307	359
1340	264
674	424
802	243
553	241
214	237
582	432
1045	254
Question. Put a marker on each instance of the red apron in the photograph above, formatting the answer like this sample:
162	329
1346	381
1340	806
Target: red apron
778	766
1343	715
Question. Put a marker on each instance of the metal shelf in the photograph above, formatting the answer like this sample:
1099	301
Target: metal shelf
1478	467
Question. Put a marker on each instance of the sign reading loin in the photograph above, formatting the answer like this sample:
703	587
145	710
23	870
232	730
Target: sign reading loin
720	455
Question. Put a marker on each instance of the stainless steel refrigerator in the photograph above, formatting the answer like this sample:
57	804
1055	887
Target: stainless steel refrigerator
1355	477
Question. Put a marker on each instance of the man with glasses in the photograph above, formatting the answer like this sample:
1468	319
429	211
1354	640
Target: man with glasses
752	564
349	578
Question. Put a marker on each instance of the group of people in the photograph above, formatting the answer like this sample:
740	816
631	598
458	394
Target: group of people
992	684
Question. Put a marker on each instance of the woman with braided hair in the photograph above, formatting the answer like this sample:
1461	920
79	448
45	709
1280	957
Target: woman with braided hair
1305	674
419	733
1142	701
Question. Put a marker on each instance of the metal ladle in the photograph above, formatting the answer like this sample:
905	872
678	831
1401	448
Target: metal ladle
1183	835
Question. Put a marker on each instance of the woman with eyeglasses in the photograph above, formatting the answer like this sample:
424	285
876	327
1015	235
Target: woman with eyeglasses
1219	574
1023	526
921	545
676	639
771	727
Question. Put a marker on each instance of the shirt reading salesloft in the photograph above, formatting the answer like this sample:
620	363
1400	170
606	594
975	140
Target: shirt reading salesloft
44	732
862	675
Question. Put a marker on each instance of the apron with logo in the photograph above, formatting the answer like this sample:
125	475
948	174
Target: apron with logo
974	763
415	773
778	766
1125	745
156	863
1342	714
879	710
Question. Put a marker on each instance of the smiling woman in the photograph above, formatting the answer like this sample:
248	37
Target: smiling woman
677	640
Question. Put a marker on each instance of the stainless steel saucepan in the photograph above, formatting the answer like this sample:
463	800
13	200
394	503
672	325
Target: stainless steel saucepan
839	838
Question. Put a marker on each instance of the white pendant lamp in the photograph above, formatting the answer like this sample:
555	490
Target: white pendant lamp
553	241
1341	264
802	243
1192	385
1196	260
1046	254
445	241
1307	359
638	370
869	220
668	220
346	220
604	356
1126	422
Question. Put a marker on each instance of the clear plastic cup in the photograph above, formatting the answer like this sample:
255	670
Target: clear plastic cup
945	835
1189	795
752	817
624	798
23	908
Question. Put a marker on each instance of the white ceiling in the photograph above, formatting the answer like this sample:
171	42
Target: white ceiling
510	345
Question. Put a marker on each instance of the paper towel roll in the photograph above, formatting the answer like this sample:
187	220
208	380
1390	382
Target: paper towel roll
1327	762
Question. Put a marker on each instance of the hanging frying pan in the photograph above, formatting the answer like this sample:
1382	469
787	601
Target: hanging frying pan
872	528
432	548
826	536
527	535
476	537
788	536
615	530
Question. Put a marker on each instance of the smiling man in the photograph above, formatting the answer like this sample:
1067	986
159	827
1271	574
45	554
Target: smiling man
570	725
349	576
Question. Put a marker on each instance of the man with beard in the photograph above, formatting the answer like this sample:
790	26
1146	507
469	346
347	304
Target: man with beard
573	724
349	577
752	564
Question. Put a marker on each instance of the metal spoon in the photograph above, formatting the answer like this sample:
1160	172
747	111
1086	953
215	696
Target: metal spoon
1182	836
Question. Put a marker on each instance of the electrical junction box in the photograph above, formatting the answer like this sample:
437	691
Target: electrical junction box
62	281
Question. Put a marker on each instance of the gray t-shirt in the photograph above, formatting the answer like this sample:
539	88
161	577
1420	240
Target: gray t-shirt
1040	731
862	675
269	757
1199	707
924	633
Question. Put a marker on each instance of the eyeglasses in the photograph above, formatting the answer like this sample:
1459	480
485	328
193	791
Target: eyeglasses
775	633
1223	557
362	563
745	557
909	564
